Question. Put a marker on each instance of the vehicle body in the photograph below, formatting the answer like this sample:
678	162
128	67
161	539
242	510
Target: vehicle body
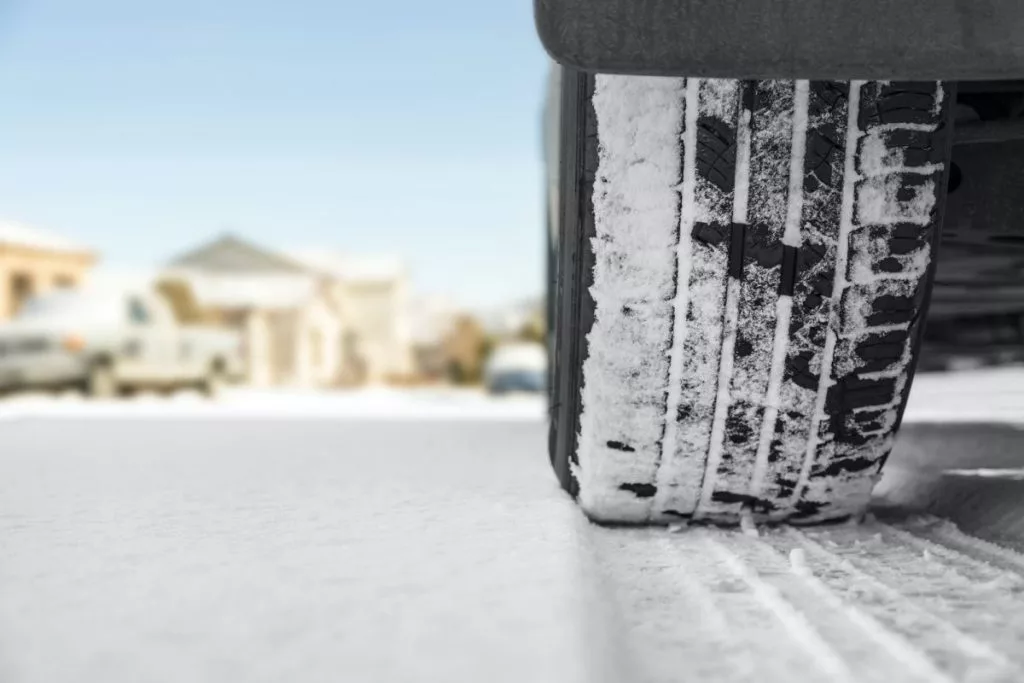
111	341
516	368
940	108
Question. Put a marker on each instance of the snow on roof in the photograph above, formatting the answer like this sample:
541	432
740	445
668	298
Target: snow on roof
353	268
19	234
250	291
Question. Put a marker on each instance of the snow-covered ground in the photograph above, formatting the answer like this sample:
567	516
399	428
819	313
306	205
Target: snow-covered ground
376	403
419	536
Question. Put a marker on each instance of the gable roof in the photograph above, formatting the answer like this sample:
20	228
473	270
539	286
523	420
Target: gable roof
21	235
231	254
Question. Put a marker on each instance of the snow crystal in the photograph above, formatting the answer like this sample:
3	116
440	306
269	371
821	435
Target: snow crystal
879	203
798	562
796	166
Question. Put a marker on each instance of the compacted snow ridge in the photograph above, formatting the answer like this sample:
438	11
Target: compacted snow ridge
970	567
739	559
677	621
986	614
783	315
681	305
706	507
947	534
792	236
636	207
860	644
907	595
679	481
861	603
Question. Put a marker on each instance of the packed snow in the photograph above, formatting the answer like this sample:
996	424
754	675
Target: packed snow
187	545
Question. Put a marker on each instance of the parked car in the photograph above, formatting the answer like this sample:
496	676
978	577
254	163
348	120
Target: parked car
110	342
745	209
515	368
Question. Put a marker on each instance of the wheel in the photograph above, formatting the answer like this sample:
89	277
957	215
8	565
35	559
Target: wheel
743	277
101	382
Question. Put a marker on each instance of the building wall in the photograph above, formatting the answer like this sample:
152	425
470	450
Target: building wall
318	336
39	271
375	315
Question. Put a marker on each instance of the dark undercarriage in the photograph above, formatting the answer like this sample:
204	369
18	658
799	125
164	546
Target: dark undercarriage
977	310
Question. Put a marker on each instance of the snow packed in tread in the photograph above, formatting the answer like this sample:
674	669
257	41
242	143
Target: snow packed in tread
712	209
795	421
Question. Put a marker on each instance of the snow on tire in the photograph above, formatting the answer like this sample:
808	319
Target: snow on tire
762	256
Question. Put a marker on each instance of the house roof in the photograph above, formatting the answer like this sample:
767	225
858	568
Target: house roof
351	268
231	254
21	235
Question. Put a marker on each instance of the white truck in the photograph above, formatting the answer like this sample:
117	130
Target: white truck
108	342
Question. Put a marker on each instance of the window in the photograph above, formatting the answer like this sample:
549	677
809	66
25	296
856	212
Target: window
137	312
21	290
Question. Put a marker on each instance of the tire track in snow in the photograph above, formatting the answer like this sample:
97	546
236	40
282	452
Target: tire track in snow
868	651
946	618
681	618
937	532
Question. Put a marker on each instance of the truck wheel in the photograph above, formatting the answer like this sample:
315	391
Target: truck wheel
101	382
743	276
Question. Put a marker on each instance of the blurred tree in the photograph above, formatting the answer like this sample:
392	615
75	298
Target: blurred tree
466	348
532	331
180	297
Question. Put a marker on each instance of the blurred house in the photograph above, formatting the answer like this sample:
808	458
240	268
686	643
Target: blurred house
33	261
372	294
315	320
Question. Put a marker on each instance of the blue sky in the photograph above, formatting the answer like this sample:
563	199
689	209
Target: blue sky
395	126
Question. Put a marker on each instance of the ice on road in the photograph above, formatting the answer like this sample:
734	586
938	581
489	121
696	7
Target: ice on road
407	537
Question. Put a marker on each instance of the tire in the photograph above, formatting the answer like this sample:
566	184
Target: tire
741	288
101	381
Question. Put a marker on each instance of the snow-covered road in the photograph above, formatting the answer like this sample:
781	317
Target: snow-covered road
413	537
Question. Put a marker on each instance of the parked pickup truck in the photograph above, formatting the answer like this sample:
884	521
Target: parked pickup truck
111	342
